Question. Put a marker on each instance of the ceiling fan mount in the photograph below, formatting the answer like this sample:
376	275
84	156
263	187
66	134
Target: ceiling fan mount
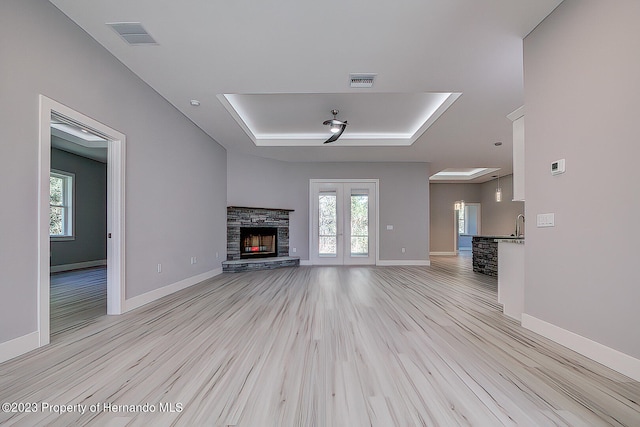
337	126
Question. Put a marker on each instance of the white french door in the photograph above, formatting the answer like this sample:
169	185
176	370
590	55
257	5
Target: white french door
343	222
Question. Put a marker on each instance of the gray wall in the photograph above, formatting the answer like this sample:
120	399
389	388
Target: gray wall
90	210
497	219
404	198
581	97
175	174
443	227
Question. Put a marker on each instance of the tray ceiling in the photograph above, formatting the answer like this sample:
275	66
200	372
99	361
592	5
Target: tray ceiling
288	64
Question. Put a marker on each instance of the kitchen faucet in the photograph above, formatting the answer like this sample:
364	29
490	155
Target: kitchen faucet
519	232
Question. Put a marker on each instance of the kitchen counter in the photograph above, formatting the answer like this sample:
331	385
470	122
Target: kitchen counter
501	237
503	257
511	277
518	240
485	252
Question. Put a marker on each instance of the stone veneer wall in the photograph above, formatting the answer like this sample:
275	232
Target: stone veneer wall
485	255
256	217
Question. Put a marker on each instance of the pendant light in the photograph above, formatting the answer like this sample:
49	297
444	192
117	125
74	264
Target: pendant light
498	191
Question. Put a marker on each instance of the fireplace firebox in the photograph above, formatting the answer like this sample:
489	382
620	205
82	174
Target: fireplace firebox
258	242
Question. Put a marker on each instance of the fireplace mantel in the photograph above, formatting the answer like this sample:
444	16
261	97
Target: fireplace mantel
262	209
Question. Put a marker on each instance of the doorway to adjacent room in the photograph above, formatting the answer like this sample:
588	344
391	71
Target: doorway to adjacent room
52	110
468	224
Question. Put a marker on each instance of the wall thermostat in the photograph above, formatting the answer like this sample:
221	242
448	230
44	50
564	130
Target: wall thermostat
557	167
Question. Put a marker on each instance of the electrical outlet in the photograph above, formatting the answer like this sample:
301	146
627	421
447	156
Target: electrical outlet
159	268
404	250
294	250
195	259
389	227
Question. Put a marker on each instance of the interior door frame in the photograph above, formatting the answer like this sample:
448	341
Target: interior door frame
115	210
456	235
376	225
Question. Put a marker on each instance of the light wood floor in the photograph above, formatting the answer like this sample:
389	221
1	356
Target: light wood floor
321	346
77	298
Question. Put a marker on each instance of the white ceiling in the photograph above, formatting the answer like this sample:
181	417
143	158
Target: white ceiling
374	119
69	137
290	61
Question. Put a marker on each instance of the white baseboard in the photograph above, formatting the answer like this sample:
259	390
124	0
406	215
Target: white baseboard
607	356
386	262
442	253
391	262
140	300
77	265
18	346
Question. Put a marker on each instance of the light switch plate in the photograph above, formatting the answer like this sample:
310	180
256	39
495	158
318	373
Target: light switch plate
546	220
389	227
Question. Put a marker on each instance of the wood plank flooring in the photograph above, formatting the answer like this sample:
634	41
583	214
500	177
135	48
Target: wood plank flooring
319	346
77	298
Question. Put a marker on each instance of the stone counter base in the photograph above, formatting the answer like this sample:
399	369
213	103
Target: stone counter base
237	266
485	255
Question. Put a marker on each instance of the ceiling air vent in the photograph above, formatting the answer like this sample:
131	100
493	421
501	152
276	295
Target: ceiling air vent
361	79
132	32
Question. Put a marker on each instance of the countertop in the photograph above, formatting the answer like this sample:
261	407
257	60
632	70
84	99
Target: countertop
500	237
519	240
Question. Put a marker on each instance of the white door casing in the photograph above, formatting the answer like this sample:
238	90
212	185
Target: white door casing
115	210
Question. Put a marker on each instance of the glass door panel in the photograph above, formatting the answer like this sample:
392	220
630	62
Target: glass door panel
359	223
327	224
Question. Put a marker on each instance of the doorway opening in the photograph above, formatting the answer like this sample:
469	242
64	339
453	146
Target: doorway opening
56	214
77	225
468	223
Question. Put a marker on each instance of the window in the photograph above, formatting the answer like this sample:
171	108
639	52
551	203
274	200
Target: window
461	220
328	225
359	223
61	205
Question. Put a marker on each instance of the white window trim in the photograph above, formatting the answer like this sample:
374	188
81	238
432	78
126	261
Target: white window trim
70	219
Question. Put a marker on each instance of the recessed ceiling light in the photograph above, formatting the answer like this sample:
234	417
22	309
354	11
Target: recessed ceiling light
498	144
195	102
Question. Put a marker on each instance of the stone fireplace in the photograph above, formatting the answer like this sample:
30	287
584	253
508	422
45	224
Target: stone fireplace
257	238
